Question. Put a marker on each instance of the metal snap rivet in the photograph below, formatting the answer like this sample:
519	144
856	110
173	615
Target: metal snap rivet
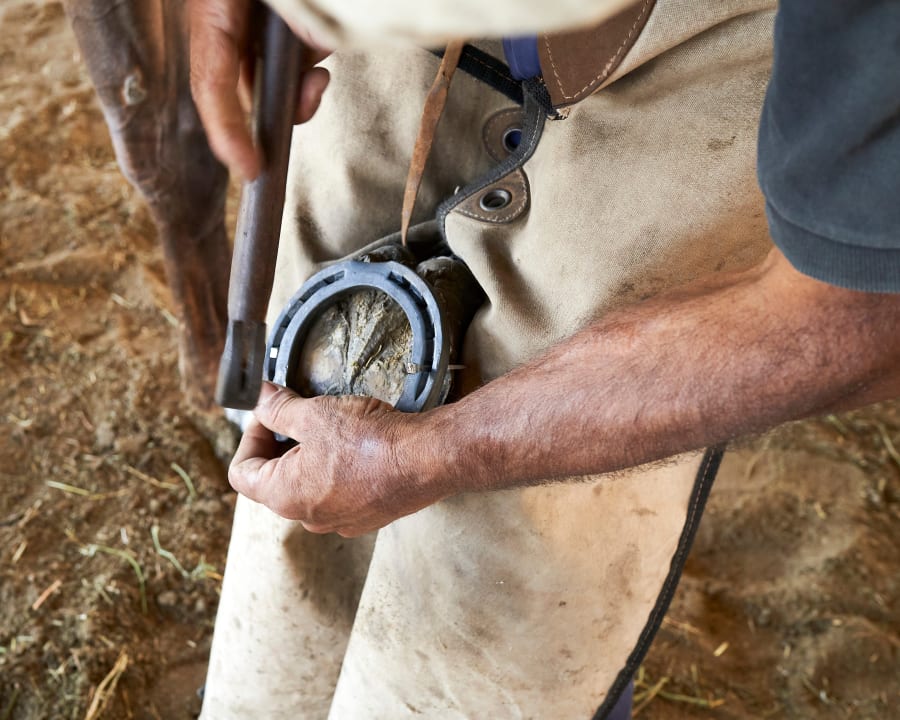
512	137
495	199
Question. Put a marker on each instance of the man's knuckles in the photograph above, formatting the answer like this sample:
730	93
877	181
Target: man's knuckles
282	411
257	478
244	476
229	17
317	528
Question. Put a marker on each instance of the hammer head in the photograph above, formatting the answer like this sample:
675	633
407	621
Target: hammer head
241	369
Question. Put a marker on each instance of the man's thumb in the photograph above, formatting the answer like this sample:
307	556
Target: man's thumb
280	409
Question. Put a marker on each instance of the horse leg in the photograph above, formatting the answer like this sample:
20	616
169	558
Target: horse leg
137	56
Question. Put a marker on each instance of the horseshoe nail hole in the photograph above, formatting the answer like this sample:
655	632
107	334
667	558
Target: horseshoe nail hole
495	199
512	138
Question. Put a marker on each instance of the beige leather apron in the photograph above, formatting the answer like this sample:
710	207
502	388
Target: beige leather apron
529	603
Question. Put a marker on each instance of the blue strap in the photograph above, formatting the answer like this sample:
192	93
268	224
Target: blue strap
522	56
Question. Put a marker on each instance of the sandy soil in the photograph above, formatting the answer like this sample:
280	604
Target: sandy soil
95	438
115	513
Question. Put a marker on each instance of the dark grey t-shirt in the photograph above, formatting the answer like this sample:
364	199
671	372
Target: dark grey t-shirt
829	141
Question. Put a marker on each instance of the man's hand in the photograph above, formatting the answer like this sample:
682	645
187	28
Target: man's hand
221	80
719	358
346	473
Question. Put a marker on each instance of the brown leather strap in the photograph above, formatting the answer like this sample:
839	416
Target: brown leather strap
431	116
575	64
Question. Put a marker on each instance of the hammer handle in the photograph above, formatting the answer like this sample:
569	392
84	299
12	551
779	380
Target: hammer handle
276	86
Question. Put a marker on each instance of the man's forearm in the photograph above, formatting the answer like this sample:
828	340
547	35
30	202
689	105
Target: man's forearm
698	366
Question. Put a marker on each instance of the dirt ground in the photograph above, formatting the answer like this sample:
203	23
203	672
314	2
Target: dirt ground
115	511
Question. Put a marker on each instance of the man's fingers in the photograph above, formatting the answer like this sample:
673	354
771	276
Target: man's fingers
218	36
245	84
312	87
257	441
255	460
281	410
222	84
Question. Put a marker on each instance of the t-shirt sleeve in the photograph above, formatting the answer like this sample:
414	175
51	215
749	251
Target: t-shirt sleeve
829	141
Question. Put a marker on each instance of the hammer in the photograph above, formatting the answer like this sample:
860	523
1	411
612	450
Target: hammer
277	80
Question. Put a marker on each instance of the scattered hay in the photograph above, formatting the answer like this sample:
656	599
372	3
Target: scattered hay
167	554
188	483
647	691
42	598
11	705
66	488
643	699
888	443
134	472
126	555
683	626
81	492
205	571
107	688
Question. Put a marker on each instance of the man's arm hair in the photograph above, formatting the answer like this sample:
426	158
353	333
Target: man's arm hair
717	359
730	355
